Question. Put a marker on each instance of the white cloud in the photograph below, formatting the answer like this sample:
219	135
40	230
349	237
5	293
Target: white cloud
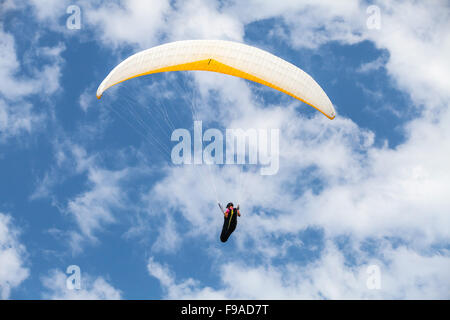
49	11
187	289
308	24
92	288
402	192
93	209
87	99
9	5
12	257
200	19
9	66
415	34
407	275
404	275
20	79
374	65
17	118
168	238
143	21
97	202
44	78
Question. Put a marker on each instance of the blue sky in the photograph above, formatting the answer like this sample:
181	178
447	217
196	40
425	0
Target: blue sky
85	182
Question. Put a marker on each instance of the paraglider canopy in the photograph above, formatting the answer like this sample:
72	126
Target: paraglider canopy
226	57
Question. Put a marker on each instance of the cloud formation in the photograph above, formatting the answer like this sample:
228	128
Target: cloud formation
13	270
91	288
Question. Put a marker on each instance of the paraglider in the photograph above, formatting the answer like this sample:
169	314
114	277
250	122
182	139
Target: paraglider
227	57
236	59
229	220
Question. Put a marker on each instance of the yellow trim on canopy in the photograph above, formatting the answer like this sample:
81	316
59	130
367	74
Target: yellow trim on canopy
216	66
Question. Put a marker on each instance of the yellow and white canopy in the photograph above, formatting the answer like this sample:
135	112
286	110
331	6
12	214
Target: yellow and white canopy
226	57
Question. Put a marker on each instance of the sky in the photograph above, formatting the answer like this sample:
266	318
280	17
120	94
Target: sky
359	208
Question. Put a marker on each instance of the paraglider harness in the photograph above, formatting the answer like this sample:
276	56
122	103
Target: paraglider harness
229	223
